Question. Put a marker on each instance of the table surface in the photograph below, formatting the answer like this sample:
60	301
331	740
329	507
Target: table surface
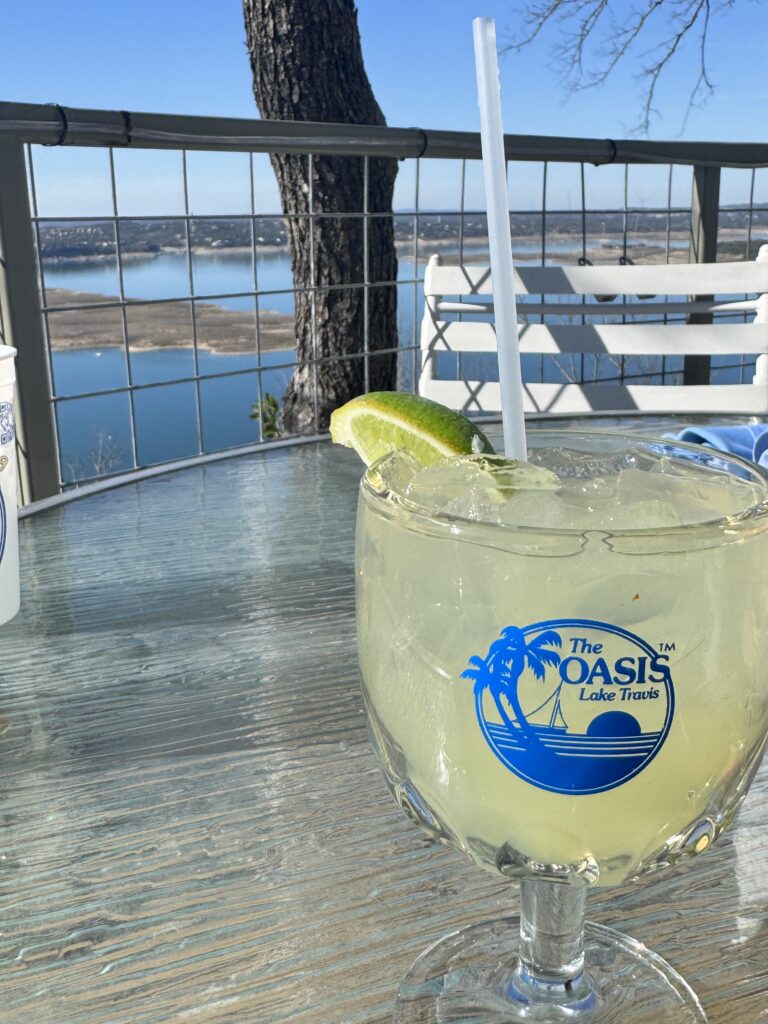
193	824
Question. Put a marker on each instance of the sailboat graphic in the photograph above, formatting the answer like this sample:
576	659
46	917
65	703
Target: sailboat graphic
539	746
556	718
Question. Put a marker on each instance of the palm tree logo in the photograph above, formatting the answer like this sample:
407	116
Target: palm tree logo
500	671
602	747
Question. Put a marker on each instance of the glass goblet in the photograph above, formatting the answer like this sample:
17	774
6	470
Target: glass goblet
571	706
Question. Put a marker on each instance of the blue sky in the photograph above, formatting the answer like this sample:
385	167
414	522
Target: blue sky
169	56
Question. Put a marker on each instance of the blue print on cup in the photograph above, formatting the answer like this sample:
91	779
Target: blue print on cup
573	706
7	429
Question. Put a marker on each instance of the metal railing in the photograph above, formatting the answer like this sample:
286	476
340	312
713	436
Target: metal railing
31	314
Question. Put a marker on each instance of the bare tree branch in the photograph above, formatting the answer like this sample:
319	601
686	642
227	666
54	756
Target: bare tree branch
537	18
703	81
595	36
668	48
624	40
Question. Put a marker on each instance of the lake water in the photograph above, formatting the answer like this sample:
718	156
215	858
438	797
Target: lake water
95	433
166	276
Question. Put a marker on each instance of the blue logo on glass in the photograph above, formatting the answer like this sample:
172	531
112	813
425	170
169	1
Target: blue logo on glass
573	705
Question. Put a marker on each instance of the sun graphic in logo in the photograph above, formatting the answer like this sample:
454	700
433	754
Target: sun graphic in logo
576	739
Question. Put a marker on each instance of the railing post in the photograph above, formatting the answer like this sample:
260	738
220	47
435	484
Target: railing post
22	322
705	209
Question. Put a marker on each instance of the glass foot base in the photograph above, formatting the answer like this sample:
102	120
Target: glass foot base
468	977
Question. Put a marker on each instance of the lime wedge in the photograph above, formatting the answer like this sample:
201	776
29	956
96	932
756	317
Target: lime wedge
386	421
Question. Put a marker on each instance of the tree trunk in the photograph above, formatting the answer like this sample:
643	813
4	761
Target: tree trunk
308	66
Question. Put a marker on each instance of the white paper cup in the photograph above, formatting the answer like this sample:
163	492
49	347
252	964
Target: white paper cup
9	534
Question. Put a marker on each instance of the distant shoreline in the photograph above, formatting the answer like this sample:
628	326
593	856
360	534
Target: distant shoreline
90	346
135	257
603	247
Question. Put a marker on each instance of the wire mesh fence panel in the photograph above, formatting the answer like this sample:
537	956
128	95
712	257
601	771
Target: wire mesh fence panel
169	291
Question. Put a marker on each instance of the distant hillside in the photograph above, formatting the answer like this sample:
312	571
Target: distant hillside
89	239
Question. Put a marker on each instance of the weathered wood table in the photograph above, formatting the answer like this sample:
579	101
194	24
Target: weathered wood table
193	825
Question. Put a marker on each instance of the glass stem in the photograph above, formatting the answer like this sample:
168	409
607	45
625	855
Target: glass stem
551	960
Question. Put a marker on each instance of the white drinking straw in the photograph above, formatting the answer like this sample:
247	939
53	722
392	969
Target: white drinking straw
499	238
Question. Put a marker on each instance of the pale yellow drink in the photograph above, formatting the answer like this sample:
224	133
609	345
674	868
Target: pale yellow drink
666	558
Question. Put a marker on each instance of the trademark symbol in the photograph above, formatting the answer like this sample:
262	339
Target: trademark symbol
666	647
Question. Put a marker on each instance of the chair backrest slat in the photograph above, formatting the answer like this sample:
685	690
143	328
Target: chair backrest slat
639	337
614	339
647	279
602	309
485	397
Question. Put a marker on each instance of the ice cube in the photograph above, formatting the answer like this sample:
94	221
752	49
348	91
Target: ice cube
541	509
436	486
566	463
511	475
393	474
454	487
692	494
645	514
475	486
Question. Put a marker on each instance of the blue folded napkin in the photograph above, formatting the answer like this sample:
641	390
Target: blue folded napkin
748	441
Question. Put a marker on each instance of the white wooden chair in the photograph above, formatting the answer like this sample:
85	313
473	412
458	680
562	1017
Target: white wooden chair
677	290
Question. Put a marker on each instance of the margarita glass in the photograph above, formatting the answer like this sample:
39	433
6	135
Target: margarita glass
563	675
